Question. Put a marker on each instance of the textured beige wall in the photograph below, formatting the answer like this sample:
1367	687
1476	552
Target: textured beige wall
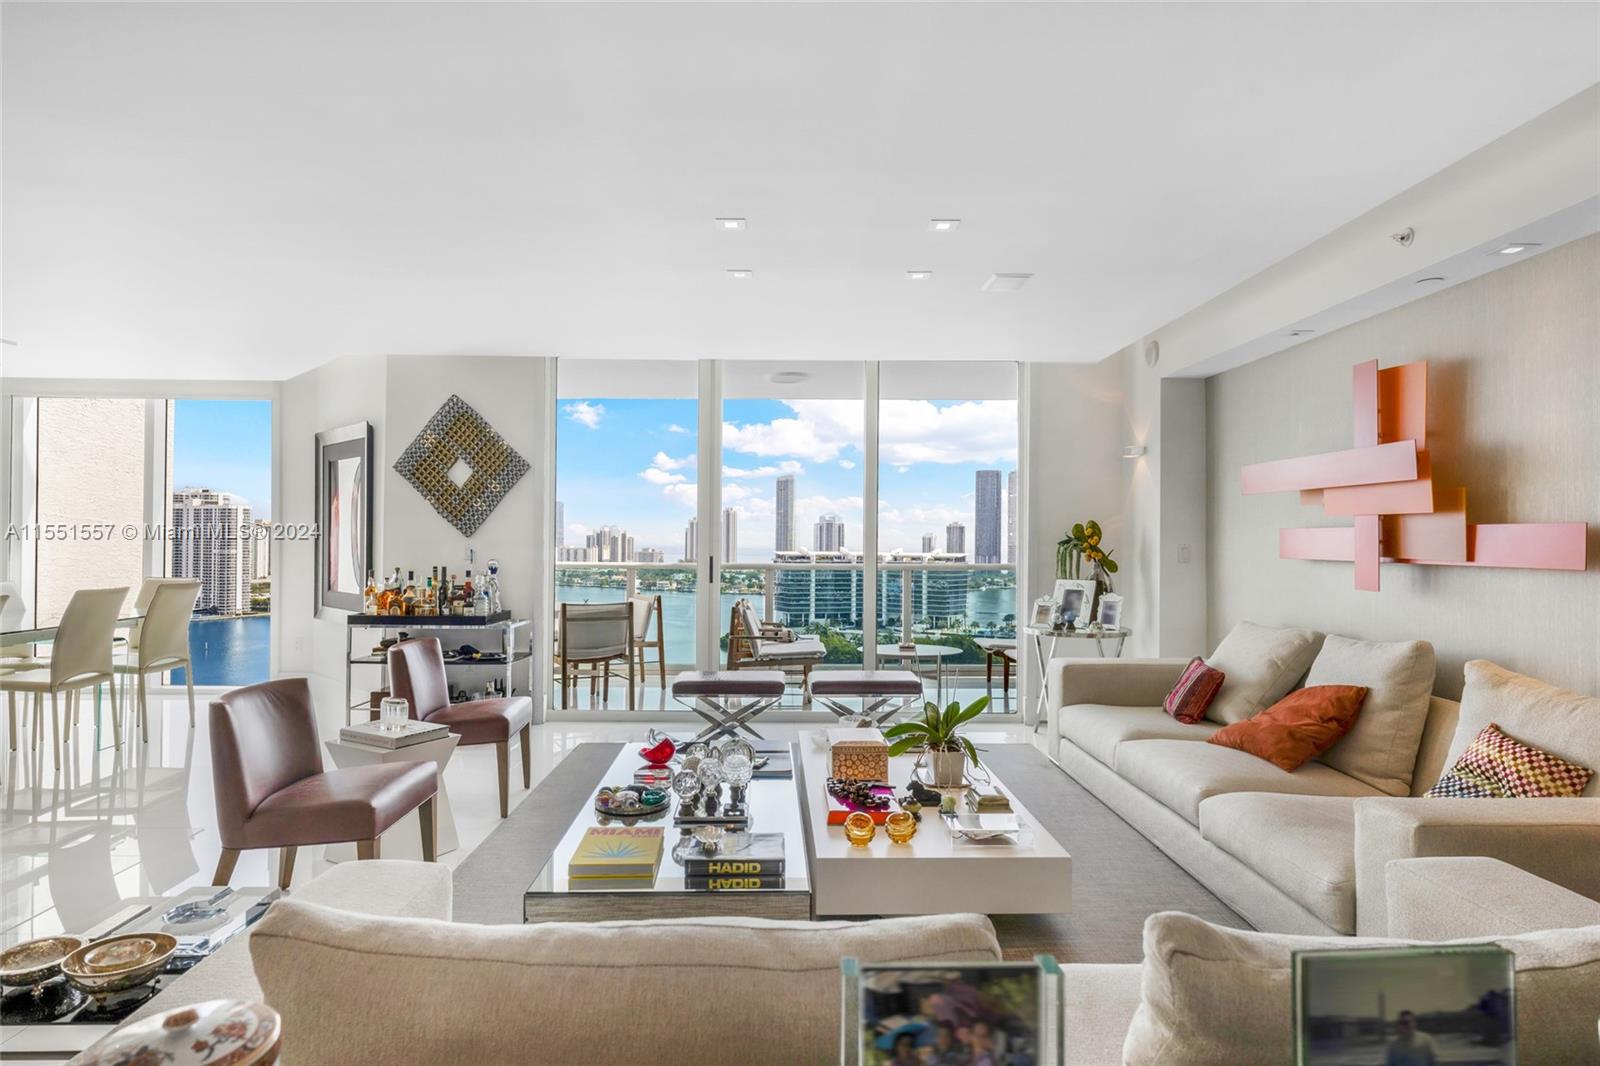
91	470
1514	415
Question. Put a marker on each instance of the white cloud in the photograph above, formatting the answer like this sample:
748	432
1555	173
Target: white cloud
661	477
846	464
663	461
682	493
673	427
909	431
585	413
788	466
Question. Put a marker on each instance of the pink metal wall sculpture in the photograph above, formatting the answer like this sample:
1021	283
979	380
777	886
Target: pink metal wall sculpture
1385	485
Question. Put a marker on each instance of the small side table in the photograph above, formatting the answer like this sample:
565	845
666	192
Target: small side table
913	657
403	840
1048	635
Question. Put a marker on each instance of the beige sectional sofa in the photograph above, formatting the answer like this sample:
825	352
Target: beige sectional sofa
1305	852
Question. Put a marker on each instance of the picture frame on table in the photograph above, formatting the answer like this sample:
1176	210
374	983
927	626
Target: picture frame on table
1044	612
1109	611
343	544
1074	602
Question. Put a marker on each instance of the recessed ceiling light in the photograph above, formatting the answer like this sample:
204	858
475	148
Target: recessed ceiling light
1430	281
1513	249
741	273
1300	332
919	275
730	223
1005	282
943	225
788	377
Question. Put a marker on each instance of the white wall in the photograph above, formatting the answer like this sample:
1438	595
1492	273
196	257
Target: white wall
1514	397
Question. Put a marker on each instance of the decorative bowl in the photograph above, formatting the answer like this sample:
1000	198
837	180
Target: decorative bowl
119	962
218	1032
859	829
900	826
35	961
661	753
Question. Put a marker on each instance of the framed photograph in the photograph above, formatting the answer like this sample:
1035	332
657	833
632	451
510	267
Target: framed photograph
1074	599
1405	1005
1044	612
1109	613
988	1013
344	516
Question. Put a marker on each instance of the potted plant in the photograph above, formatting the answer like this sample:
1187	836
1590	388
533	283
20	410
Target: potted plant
935	733
1083	542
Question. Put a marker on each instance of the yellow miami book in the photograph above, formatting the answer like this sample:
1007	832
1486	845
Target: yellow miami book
617	851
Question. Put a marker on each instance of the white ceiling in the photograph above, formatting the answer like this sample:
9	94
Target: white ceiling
218	191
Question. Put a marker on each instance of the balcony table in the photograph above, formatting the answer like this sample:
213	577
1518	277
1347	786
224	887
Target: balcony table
914	656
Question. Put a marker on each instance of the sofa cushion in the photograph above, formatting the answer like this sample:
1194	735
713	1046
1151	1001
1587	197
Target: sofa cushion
1189	698
1098	728
1303	845
1260	664
1180	774
1497	766
1563	723
1304	723
1222	997
701	990
1381	748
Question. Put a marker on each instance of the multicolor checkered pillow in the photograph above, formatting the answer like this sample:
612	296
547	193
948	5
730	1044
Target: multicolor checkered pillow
1496	766
1189	698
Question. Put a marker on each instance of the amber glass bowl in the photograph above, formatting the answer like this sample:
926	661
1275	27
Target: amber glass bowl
858	829
901	827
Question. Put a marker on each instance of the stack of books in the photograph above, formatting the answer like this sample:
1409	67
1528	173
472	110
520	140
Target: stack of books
375	734
756	864
994	802
616	856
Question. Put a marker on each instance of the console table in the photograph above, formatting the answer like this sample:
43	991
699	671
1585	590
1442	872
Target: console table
1045	639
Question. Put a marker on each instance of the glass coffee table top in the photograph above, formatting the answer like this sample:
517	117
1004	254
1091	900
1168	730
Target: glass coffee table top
774	804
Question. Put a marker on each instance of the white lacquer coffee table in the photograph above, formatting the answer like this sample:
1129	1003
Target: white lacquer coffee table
934	873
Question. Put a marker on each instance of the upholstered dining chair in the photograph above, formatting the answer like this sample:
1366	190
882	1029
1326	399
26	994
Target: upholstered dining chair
162	643
596	635
416	675
81	658
272	791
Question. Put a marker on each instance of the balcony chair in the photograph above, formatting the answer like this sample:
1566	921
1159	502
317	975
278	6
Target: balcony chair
644	609
272	791
161	642
81	657
416	674
596	635
753	644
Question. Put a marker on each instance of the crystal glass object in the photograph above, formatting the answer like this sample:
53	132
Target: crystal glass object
901	827
393	713
737	769
687	785
859	829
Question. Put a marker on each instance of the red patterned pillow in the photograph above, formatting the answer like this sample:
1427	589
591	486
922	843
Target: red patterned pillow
1189	698
1497	766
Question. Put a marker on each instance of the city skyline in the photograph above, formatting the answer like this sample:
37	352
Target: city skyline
632	463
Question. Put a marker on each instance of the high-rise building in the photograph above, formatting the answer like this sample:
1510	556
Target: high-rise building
691	541
930	543
955	539
609	544
936	594
210	541
571	553
261	550
783	536
986	546
561	523
1011	517
730	535
819	593
651	555
828	533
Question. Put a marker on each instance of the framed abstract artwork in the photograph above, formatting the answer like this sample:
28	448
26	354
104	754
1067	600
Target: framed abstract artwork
344	516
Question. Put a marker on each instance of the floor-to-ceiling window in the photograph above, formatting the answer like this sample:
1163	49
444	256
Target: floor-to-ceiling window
947	517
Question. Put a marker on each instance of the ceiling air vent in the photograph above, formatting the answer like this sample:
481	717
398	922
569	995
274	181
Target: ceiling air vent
1006	282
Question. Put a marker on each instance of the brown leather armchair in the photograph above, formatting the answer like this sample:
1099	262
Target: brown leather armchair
273	793
416	675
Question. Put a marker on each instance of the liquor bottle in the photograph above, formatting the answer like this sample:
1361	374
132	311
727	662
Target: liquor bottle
469	595
408	596
391	592
433	595
455	595
480	603
425	597
369	595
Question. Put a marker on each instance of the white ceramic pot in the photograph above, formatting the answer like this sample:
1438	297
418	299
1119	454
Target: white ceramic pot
949	768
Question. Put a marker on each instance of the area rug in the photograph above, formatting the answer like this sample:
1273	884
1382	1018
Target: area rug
1118	877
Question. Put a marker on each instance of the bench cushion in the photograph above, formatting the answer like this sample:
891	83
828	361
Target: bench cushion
1305	845
866	683
800	648
1098	728
728	683
1180	774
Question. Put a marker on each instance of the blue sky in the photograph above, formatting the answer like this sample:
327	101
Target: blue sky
631	463
225	445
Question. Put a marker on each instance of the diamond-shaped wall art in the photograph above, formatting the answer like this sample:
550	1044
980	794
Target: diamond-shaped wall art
461	465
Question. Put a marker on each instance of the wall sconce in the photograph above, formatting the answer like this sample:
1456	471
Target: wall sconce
1134	451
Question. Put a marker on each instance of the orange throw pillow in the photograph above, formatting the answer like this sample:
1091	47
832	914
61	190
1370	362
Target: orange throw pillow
1301	726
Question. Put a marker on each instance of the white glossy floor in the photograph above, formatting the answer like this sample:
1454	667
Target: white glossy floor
113	826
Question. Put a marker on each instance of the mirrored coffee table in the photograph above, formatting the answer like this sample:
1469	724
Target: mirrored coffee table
775	808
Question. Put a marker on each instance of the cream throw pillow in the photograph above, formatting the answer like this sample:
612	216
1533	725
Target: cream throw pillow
1223	997
1381	748
709	991
1261	665
1535	712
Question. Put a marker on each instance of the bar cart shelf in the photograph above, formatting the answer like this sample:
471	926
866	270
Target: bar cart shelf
500	622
